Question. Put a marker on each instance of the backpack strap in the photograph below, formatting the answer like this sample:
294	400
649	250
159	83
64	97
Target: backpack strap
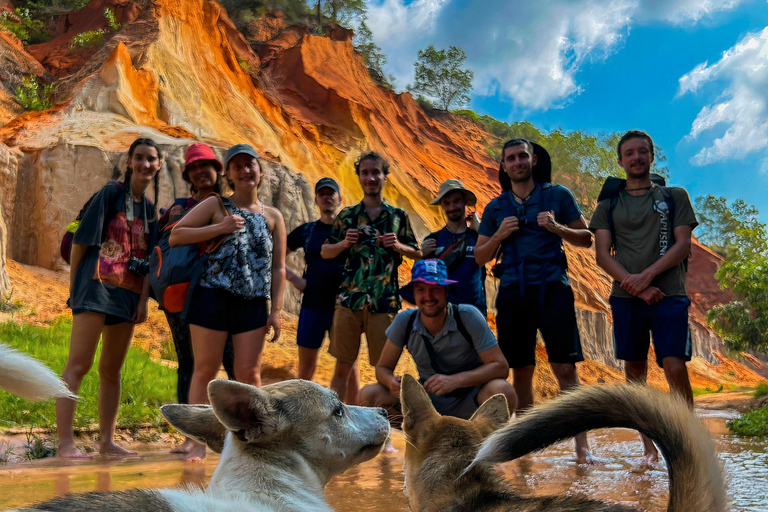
460	324
427	344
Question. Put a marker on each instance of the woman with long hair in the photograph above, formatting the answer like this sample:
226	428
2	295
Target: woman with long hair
108	290
240	276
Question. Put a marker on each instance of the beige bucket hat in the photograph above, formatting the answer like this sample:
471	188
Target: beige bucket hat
449	186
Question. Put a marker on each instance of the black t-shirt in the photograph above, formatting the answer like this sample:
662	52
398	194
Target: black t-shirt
323	276
103	282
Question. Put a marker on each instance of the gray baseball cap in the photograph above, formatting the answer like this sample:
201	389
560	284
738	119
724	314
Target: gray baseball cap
327	183
239	149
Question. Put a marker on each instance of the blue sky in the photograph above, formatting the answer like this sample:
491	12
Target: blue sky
692	73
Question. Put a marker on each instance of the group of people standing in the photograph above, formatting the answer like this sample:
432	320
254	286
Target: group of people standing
351	287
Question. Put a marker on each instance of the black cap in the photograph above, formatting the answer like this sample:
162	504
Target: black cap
329	183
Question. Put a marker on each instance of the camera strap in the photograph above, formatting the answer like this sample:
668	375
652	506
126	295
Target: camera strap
129	216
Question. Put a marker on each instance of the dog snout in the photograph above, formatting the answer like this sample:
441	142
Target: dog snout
381	412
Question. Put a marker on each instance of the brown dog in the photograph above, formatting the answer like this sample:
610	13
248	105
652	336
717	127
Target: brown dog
444	471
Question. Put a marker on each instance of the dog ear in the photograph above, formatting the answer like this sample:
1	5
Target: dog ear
417	407
243	409
494	411
197	422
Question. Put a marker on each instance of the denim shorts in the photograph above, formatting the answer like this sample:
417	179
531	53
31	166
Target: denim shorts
667	320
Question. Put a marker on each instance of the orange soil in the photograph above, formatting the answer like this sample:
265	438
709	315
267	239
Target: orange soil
44	293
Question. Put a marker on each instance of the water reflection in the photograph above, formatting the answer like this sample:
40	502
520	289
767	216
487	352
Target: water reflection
377	485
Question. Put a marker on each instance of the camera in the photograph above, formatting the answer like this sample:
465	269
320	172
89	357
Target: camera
138	266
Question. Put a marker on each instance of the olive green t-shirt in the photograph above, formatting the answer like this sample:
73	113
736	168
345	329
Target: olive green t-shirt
640	242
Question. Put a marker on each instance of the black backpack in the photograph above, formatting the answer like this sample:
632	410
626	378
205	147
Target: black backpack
613	187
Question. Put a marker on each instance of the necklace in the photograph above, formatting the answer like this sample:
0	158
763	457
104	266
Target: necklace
521	199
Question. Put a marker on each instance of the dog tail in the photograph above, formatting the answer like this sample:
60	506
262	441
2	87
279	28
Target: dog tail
695	476
28	378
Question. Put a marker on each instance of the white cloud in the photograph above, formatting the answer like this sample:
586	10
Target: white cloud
737	121
529	52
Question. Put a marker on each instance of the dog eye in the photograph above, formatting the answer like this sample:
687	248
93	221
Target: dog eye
339	411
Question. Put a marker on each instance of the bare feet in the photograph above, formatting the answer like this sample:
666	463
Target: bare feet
196	453
70	451
584	457
184	447
111	448
389	447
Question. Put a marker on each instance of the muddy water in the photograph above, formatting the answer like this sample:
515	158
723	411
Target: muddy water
376	486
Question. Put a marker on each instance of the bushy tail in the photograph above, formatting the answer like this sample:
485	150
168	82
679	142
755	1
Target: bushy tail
695	477
28	378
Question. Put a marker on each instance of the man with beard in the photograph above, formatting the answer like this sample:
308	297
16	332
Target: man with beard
523	230
455	245
319	283
457	357
642	239
373	237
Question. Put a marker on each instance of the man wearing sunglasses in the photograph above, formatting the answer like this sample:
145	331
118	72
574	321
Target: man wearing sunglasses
522	231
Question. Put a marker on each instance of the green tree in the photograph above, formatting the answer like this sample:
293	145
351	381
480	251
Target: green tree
735	231
440	75
372	55
341	12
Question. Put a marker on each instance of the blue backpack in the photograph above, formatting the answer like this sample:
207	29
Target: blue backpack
175	271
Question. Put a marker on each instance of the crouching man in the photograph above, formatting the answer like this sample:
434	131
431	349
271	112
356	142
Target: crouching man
457	357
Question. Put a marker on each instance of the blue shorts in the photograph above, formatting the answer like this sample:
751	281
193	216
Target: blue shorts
667	321
313	325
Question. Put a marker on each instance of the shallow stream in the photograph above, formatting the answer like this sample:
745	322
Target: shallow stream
376	486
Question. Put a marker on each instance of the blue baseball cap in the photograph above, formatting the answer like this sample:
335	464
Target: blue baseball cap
239	149
431	271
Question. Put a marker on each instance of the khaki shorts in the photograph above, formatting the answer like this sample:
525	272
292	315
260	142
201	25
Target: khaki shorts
347	327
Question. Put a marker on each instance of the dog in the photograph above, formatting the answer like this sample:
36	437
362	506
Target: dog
279	444
448	460
28	378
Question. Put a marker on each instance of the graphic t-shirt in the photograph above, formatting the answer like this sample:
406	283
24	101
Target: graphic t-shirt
532	255
370	273
323	276
103	282
637	222
457	250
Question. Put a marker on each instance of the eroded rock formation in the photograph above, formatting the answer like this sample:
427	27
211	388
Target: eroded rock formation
179	71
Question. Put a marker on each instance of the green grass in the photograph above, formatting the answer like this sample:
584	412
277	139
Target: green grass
707	391
761	390
754	423
146	384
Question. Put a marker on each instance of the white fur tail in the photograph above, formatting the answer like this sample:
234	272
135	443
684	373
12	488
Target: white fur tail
696	480
28	378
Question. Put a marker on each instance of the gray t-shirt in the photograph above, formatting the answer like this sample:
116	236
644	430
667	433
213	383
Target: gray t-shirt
453	351
637	224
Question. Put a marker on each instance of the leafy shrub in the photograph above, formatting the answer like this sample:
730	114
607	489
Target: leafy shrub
753	424
33	95
761	390
87	39
109	13
28	29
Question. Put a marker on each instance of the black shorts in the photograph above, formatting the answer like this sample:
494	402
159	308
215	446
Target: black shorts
667	320
518	317
108	319
313	324
220	310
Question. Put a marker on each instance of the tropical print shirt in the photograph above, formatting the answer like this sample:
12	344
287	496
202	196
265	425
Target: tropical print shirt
370	273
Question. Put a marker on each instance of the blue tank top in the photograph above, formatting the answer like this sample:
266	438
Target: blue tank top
242	264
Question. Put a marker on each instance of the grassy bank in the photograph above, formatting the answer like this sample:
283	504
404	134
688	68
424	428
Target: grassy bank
146	384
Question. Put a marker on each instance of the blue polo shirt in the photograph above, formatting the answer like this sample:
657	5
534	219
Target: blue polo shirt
532	255
457	250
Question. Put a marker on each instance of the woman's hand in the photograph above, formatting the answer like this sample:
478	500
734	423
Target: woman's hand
273	321
142	310
231	223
